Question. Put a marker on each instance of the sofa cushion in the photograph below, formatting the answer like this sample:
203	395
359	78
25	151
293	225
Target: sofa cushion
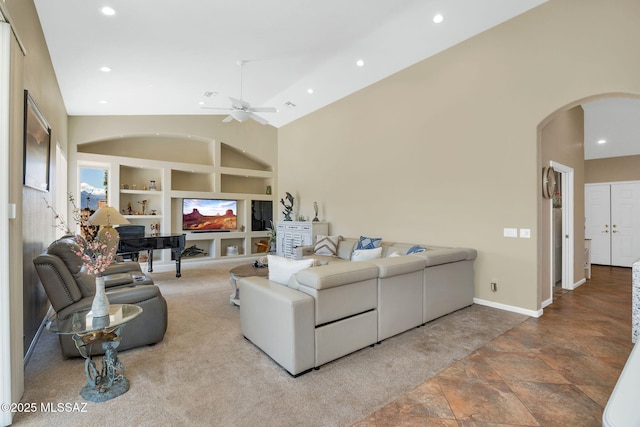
369	242
326	245
66	248
366	254
346	247
281	269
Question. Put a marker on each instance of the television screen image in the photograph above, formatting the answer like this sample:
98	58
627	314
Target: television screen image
209	214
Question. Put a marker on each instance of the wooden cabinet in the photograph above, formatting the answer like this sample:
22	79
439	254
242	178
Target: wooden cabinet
291	234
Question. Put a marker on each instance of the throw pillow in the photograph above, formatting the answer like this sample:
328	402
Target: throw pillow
415	249
369	242
366	254
281	269
327	245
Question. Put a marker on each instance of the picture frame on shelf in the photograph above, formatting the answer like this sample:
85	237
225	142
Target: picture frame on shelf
37	146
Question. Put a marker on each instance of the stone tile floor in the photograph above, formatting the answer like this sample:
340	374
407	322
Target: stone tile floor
555	370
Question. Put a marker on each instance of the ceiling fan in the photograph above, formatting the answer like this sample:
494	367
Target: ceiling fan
241	110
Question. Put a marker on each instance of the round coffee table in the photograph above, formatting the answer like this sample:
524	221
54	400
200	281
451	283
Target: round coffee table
238	273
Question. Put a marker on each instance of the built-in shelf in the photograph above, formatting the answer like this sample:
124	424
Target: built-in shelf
234	176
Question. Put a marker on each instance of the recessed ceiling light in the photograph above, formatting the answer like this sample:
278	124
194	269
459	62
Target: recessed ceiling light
108	11
309	91
105	69
360	63
438	18
602	141
201	103
103	101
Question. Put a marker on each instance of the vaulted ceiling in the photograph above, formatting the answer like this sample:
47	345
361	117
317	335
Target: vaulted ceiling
167	57
178	58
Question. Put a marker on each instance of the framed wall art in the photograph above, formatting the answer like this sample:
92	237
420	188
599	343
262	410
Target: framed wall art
37	146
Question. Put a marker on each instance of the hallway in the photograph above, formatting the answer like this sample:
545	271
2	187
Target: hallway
556	370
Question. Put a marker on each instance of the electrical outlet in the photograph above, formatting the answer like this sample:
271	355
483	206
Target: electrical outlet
494	287
510	232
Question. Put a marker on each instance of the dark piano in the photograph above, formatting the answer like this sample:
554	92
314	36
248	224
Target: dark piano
133	240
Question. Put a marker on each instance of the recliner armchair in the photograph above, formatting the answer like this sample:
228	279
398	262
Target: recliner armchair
70	289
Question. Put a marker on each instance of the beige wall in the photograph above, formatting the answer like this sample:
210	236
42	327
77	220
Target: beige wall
105	134
612	169
30	232
258	140
446	151
562	141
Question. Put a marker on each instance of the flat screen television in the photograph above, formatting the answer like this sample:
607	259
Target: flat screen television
209	215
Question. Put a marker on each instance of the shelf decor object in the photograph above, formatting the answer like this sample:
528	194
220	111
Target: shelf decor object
103	253
288	206
548	182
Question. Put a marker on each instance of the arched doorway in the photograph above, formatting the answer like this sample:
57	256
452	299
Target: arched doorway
562	142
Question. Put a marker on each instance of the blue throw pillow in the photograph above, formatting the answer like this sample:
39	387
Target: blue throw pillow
369	242
415	249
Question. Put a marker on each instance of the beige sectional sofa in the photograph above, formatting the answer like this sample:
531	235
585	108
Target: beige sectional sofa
329	310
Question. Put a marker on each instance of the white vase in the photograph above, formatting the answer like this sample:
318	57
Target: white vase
100	305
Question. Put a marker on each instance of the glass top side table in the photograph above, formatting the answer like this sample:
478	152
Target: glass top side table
87	330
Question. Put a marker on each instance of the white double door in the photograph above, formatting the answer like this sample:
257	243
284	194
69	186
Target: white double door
612	222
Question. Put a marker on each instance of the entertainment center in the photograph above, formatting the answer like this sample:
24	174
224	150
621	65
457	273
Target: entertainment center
227	205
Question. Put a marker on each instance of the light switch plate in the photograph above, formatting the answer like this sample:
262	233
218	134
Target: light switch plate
510	232
525	233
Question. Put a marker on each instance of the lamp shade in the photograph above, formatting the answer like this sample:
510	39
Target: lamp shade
107	215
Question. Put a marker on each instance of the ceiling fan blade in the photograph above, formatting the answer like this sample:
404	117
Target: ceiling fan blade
239	104
217	108
264	109
258	119
227	119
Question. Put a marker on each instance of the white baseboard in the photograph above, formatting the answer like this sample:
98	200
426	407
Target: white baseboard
520	310
505	307
578	283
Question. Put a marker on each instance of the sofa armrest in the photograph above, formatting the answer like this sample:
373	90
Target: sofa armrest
337	274
395	266
123	267
280	321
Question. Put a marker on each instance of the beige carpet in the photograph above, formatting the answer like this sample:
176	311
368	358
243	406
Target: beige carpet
204	373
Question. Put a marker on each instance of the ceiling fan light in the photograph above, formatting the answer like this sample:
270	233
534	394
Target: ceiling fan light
240	115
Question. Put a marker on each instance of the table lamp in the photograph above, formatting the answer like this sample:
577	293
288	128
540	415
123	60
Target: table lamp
106	217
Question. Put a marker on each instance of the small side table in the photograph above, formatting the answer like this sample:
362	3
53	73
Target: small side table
110	381
243	271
